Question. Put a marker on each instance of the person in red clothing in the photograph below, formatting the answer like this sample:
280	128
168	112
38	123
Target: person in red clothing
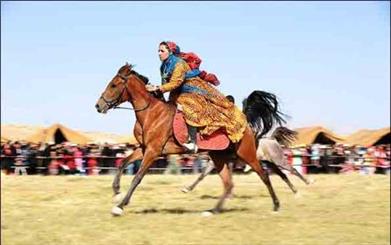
54	165
92	163
289	155
305	159
119	156
78	159
70	162
381	160
7	161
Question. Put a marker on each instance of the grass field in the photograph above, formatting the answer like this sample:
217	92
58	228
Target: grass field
336	209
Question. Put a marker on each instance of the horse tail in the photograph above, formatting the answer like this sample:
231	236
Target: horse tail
262	112
284	136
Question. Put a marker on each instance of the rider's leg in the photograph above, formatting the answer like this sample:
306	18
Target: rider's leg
191	144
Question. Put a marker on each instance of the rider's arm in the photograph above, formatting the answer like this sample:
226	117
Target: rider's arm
177	78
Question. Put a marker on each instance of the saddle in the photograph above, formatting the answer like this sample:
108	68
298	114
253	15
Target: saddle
216	141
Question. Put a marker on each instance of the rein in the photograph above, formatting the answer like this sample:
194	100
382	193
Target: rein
116	101
133	109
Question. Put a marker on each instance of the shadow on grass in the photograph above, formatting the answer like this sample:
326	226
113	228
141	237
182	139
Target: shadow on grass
235	196
183	211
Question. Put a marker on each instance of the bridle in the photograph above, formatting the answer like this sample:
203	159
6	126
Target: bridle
113	103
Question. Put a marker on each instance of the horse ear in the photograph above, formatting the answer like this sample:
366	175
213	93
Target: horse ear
127	64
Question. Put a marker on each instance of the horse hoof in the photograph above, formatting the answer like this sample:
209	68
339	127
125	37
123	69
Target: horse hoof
117	198
311	181
116	211
185	189
207	213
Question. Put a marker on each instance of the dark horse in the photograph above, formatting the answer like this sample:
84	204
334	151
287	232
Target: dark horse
153	130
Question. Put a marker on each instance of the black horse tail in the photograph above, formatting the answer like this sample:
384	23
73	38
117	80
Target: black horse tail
262	112
284	136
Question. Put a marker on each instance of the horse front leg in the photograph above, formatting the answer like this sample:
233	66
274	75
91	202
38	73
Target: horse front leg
210	166
136	155
149	156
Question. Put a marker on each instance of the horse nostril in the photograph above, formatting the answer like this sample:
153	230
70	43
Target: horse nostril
97	107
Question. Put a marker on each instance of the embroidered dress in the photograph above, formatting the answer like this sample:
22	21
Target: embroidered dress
203	105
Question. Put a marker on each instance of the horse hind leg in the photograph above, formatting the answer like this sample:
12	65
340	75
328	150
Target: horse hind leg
283	176
298	174
266	180
226	177
294	171
204	173
247	152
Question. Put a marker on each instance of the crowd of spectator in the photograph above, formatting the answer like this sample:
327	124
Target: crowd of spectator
339	158
93	159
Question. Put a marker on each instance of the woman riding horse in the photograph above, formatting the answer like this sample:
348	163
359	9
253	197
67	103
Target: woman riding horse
203	106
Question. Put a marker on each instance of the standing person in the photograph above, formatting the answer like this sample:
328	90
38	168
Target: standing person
381	160
6	160
32	158
289	155
173	164
92	162
315	155
54	165
107	158
78	156
20	167
297	159
305	158
203	105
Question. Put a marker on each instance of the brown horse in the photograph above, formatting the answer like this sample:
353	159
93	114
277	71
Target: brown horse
153	130
270	153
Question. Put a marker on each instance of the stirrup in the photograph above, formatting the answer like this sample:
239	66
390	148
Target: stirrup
191	147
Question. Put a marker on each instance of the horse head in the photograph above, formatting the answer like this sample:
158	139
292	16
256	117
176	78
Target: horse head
119	88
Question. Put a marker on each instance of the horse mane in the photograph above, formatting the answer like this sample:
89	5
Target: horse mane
143	78
284	136
157	95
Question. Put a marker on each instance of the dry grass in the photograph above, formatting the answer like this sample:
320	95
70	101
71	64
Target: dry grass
337	209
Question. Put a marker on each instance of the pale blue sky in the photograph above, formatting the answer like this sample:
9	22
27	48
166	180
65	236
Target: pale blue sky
328	62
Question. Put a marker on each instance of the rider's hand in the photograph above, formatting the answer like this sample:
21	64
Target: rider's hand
151	88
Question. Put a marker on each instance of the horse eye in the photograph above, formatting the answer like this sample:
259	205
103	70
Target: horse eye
113	85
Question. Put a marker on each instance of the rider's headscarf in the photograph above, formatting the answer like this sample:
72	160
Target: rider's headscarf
168	65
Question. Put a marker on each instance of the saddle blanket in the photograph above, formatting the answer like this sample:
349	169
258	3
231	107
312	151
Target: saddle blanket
216	141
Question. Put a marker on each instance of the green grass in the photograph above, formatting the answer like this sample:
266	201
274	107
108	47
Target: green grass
336	209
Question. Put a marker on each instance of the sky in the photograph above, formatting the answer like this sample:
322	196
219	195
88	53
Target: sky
327	62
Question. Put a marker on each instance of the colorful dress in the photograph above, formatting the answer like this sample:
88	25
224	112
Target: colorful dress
203	105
